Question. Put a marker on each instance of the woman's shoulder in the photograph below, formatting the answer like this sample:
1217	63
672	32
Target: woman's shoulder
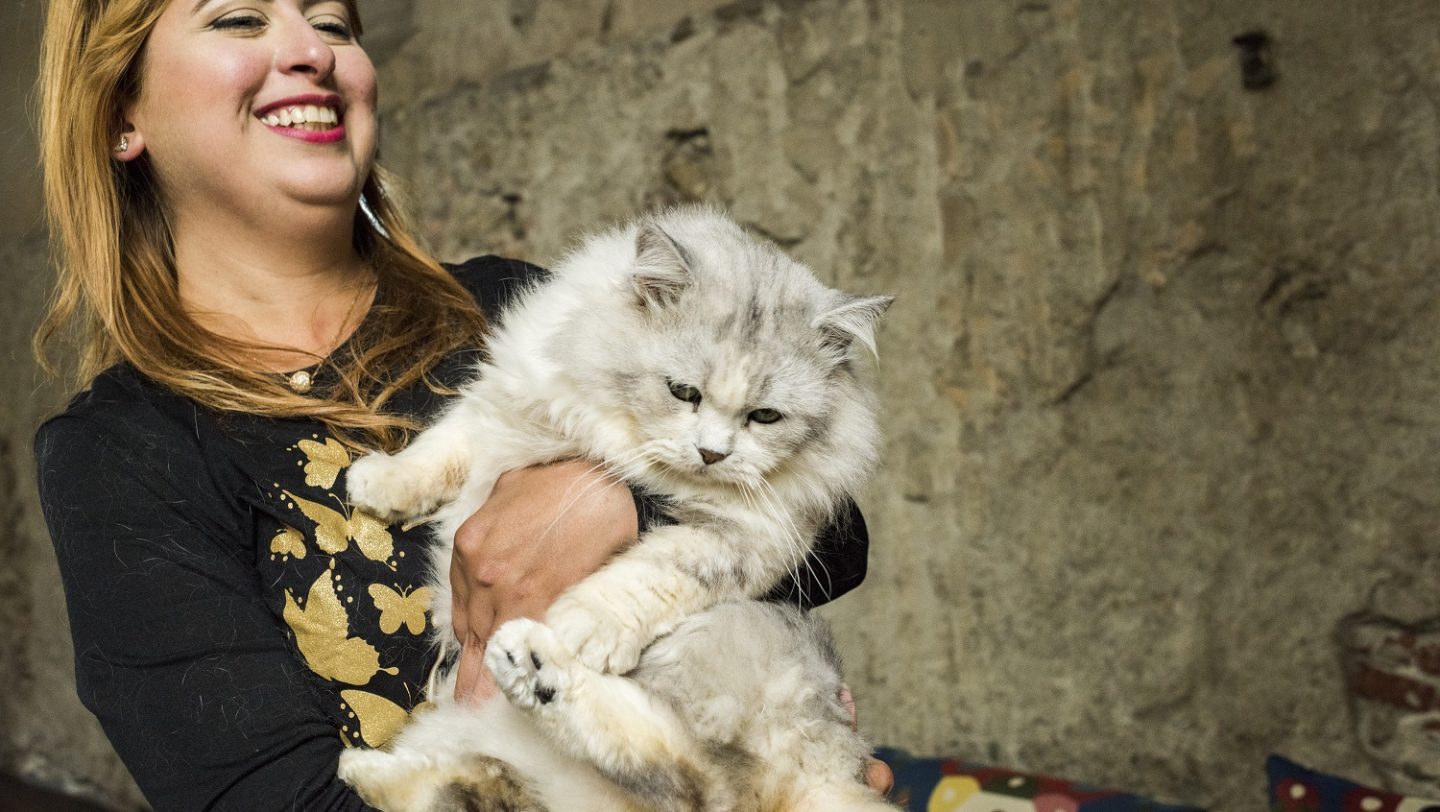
496	281
120	408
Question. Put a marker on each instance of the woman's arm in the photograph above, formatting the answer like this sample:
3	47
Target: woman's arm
176	653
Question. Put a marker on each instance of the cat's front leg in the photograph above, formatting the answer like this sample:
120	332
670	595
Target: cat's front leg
610	617
428	473
604	633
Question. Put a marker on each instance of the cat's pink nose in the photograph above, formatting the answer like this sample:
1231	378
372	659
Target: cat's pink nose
711	457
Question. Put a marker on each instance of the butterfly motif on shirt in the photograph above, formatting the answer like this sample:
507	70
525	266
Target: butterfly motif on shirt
397	609
322	633
288	541
324	461
379	718
334	530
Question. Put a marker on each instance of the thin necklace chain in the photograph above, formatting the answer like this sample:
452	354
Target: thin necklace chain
301	380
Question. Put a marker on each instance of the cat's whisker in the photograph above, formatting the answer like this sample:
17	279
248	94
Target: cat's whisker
572	497
798	545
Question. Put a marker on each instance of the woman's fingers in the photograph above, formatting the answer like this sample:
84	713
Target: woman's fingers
473	681
879	776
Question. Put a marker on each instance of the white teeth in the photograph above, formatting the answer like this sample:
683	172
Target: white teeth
296	116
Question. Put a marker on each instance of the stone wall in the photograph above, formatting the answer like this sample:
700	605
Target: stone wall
1159	382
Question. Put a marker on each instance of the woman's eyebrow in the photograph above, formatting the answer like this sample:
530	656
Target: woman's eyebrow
304	4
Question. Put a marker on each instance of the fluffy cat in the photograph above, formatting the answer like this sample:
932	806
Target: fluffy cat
708	368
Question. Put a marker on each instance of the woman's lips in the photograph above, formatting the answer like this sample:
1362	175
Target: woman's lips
330	136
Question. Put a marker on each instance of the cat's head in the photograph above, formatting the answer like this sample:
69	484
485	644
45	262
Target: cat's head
729	361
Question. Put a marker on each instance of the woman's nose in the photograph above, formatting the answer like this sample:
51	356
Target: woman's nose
302	50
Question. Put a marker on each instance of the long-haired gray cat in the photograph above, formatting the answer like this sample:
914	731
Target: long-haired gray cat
707	367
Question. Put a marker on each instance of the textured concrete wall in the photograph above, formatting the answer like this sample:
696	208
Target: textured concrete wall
1160	385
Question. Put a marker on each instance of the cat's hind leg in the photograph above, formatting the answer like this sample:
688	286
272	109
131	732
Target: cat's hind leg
611	722
412	782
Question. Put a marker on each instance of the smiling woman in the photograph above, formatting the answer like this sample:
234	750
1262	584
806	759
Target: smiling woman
241	250
243	306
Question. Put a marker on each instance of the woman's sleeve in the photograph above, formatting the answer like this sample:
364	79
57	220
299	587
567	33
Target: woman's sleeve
835	565
176	653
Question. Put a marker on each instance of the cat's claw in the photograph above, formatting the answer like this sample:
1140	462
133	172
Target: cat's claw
600	638
531	666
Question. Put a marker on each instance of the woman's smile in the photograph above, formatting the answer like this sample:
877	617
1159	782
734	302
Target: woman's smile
313	118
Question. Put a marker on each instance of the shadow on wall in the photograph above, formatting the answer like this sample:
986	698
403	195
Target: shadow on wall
19	795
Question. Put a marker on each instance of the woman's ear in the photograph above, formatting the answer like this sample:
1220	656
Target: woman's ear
128	144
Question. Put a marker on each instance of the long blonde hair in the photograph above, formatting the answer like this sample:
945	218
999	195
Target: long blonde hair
117	298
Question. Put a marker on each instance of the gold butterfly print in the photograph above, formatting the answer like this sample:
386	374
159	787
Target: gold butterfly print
334	532
398	609
324	461
322	633
289	541
379	718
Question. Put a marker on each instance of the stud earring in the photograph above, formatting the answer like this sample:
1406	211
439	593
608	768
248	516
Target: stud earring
124	144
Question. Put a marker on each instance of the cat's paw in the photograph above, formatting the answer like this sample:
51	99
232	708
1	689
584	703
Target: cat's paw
375	772
531	665
602	639
387	488
355	764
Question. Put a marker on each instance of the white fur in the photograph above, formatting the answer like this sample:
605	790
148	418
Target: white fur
586	365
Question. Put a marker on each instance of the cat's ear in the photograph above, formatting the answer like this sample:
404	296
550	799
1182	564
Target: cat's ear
662	268
851	321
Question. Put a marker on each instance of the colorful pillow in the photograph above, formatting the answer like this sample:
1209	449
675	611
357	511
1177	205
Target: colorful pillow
1393	672
950	785
1296	789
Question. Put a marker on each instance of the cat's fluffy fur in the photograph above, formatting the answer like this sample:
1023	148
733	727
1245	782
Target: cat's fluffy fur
708	368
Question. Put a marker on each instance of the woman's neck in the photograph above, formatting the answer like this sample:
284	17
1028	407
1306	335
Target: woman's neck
304	288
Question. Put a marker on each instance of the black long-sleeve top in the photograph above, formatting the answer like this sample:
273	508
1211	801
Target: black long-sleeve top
235	623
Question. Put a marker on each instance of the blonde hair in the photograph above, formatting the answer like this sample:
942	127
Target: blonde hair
117	299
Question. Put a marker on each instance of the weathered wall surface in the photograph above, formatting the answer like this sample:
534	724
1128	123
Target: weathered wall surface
45	734
1160	384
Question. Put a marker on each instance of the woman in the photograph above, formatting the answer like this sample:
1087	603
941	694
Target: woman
248	310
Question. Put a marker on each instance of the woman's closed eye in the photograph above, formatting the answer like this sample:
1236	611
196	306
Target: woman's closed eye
239	22
334	26
330	25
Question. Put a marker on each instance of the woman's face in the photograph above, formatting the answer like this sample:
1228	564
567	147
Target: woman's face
247	106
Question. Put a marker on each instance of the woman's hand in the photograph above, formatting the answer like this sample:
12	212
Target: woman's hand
543	529
877	773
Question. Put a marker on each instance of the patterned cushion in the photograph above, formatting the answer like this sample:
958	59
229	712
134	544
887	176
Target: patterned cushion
1295	789
1393	673
950	785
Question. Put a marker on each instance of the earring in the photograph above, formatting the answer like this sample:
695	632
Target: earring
124	144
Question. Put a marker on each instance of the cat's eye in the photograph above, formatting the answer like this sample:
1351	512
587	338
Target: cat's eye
685	392
765	416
